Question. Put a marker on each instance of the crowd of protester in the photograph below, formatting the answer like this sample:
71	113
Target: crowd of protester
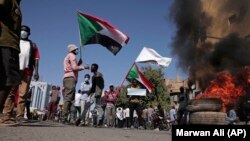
83	111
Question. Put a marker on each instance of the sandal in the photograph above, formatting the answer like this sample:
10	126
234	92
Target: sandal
8	123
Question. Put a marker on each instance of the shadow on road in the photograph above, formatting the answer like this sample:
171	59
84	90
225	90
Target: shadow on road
41	124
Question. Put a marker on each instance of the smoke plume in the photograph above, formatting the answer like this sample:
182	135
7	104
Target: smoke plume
211	36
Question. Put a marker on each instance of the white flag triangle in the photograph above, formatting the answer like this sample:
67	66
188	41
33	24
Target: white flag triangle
151	56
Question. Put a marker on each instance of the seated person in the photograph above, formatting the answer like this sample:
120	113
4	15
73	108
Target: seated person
232	118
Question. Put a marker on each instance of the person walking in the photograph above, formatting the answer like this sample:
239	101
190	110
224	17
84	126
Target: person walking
10	26
28	63
28	102
172	116
183	101
77	104
52	106
96	89
85	87
150	111
86	101
71	69
110	98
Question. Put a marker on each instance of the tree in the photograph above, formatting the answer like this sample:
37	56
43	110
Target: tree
122	98
159	95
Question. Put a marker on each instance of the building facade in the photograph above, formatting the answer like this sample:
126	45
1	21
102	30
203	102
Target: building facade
40	95
173	87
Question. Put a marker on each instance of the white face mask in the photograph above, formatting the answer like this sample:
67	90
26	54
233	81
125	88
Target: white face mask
86	79
24	34
76	51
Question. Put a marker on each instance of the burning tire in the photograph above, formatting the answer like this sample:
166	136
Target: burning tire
208	104
210	118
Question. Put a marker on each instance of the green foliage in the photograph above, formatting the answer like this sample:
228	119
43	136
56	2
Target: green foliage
159	94
122	99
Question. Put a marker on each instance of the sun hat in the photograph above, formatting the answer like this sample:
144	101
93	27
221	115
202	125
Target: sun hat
72	47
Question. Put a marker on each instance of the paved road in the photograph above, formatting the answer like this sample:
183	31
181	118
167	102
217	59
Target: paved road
49	131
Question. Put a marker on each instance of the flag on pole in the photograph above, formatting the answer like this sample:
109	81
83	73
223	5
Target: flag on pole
94	30
151	56
135	73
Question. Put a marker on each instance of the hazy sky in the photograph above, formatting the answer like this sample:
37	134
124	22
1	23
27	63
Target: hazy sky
54	25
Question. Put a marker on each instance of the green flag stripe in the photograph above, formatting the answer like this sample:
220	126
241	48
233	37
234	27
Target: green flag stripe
133	73
88	28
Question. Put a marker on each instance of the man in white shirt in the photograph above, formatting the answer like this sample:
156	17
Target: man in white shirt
85	99
75	108
119	116
172	115
126	116
77	102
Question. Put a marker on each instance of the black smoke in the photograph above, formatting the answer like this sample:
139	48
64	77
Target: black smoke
198	56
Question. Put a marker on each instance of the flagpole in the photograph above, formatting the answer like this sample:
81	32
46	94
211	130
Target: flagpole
127	74
81	52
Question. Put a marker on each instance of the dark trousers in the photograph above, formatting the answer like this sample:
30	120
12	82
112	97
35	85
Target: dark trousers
137	108
27	106
182	117
9	64
10	76
120	123
126	122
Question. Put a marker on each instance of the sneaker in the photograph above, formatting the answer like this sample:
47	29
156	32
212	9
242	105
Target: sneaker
140	127
83	124
4	117
64	121
156	129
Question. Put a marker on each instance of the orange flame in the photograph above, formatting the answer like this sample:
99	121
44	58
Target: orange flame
227	87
